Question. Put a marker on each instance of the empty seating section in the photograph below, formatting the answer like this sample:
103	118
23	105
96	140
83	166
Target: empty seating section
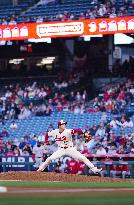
74	7
120	3
35	125
32	9
71	6
9	9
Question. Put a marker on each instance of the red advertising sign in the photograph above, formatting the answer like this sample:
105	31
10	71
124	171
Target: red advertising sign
67	28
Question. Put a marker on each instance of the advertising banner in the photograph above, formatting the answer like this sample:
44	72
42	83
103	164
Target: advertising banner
67	28
18	159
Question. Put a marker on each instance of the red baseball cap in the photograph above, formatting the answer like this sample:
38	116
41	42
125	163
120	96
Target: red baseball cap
61	122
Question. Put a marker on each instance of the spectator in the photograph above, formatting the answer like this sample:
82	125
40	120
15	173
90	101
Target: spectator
22	143
102	10
128	123
93	130
4	22
101	151
104	117
12	21
32	140
41	137
28	149
10	152
101	131
13	125
112	150
113	13
122	140
72	97
114	123
93	143
77	110
105	141
132	90
24	114
17	151
114	111
4	133
26	137
132	151
85	151
50	128
38	151
39	19
78	97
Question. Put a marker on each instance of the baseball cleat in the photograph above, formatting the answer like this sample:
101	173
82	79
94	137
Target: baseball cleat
40	170
95	170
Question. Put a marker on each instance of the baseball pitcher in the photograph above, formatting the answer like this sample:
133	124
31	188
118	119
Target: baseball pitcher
63	138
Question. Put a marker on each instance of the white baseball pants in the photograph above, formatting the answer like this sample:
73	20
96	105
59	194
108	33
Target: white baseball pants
71	152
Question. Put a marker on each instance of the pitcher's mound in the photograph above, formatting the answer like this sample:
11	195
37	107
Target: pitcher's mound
44	176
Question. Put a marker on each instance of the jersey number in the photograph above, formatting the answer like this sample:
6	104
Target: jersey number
60	139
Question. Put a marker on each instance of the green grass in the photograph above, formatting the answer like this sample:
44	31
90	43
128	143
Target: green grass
68	184
120	199
94	198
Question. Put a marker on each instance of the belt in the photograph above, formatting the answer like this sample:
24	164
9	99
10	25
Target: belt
65	147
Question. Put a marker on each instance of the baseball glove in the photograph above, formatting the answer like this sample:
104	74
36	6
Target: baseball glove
87	136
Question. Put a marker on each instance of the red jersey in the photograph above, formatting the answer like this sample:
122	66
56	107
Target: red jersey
122	141
73	166
122	167
105	166
81	166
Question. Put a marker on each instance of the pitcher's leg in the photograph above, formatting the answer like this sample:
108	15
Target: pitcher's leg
72	152
59	153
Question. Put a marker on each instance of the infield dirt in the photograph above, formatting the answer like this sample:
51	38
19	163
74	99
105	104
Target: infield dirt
44	176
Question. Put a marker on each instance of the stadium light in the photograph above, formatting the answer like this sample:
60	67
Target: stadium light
46	61
16	61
